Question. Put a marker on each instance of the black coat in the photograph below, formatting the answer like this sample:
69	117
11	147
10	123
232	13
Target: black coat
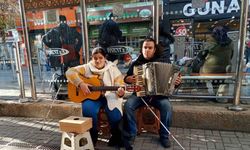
63	35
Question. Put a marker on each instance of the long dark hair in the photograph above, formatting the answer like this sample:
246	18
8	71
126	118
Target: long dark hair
220	35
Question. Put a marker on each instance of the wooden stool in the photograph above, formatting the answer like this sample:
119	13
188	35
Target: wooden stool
76	134
146	121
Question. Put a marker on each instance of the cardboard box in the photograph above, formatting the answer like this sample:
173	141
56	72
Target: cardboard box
75	124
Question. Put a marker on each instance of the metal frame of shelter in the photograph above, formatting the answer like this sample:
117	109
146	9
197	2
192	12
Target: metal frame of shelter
239	69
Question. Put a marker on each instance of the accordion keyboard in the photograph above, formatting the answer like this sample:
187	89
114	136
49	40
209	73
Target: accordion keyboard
138	71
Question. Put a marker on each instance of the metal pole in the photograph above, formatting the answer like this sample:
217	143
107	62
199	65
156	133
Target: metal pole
9	49
39	63
28	50
19	71
84	27
156	20
239	69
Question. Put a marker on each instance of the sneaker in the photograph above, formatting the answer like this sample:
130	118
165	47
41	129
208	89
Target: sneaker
165	142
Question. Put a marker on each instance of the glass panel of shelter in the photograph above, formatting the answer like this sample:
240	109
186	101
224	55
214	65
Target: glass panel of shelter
193	30
134	19
56	44
9	45
47	42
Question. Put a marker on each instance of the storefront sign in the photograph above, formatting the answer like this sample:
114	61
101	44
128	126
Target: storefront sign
46	4
140	11
212	7
180	31
217	9
12	36
117	50
57	51
145	13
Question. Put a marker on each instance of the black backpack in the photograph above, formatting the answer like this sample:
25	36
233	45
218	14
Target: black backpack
198	61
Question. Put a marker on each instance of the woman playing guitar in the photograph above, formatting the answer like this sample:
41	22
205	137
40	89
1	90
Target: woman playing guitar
99	70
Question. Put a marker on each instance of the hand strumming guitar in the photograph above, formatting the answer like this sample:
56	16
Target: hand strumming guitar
85	88
120	92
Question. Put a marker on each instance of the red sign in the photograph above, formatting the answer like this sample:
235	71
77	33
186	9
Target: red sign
181	31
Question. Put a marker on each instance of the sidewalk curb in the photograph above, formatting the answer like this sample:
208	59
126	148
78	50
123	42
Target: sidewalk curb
215	116
185	114
59	110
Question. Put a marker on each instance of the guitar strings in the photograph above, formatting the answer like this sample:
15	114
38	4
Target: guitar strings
162	123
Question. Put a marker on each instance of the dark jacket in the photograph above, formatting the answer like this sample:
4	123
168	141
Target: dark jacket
164	46
65	37
165	39
109	35
63	34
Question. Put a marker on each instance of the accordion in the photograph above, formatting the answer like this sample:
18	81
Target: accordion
156	78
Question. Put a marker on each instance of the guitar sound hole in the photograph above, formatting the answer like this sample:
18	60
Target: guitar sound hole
76	118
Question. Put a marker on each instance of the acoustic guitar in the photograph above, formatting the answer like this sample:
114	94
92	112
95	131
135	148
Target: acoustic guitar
75	94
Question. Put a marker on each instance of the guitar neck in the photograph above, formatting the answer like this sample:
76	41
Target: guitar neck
103	88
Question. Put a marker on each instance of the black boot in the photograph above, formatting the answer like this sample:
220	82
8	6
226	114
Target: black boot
94	136
127	139
129	142
115	139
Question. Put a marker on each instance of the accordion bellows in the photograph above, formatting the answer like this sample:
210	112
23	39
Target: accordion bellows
156	78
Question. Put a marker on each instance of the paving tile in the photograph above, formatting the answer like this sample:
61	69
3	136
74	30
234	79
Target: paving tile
226	140
232	148
219	146
25	133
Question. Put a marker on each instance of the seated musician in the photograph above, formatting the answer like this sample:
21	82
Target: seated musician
109	75
149	53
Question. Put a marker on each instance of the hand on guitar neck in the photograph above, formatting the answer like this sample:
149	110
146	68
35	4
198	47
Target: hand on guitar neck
86	89
91	88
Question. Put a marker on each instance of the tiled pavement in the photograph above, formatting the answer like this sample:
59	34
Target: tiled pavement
18	133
